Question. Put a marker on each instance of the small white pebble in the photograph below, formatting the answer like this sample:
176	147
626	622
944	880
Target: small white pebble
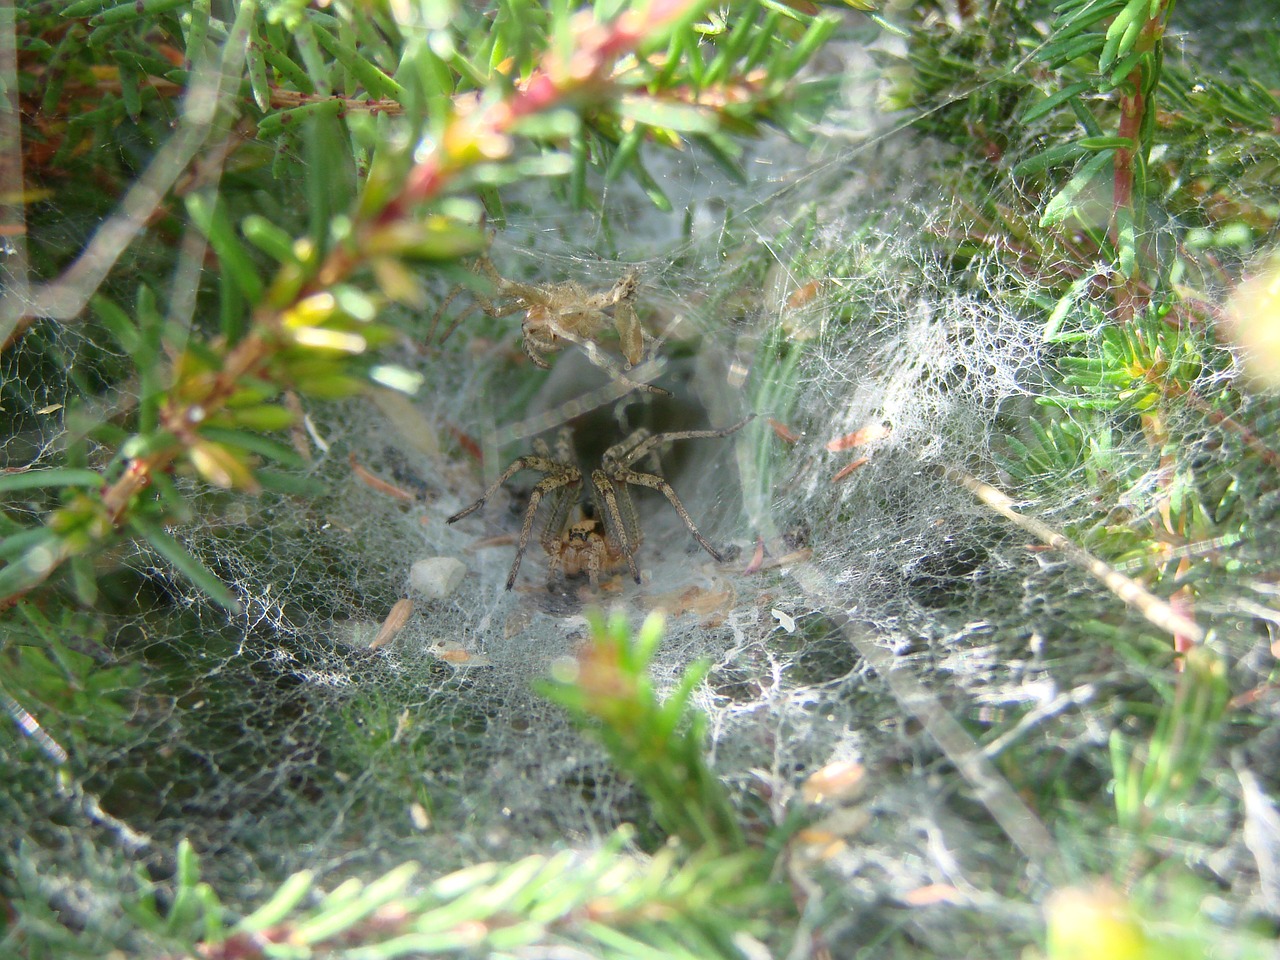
419	817
436	577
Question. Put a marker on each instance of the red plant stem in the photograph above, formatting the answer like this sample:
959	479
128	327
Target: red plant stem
1226	421
483	135
182	419
1133	108
1128	300
480	135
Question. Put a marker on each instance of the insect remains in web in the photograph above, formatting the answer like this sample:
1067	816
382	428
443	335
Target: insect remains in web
604	534
557	314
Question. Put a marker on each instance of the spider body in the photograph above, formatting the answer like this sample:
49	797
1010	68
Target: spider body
583	548
557	314
580	546
567	313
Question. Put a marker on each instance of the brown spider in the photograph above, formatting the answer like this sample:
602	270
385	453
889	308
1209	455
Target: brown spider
560	313
581	546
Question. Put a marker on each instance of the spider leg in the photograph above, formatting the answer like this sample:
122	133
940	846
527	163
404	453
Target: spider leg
540	463
621	297
630	454
615	522
492	309
604	362
564	445
595	560
487	307
555	563
556	481
620	292
527	341
501	288
435	320
557	520
524	296
617	455
654	482
484	265
630	334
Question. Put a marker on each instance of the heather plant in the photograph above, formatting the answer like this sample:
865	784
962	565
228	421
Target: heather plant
973	651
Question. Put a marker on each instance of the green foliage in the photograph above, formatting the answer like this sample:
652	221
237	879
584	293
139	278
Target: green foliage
660	744
345	155
1116	206
1121	157
349	154
47	676
615	903
1100	111
704	897
337	99
1151	782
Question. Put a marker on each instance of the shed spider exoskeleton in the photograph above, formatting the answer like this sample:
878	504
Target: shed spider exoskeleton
580	546
566	312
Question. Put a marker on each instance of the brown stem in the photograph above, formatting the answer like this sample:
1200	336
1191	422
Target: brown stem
1226	421
1128	299
1157	611
486	132
1133	110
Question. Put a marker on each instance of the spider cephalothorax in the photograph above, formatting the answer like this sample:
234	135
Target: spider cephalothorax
583	547
580	546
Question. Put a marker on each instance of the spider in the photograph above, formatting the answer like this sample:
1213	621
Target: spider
582	548
560	313
581	545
